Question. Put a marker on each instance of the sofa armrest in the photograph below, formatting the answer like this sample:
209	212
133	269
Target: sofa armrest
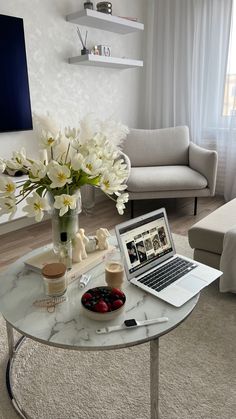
127	162
205	162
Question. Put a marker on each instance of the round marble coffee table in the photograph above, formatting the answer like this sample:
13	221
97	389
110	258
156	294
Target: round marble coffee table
68	328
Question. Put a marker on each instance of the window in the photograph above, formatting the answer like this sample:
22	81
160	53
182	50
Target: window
229	107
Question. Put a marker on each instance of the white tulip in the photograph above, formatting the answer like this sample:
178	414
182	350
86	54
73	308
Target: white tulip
59	175
120	169
76	161
49	140
72	133
18	160
8	206
2	165
121	200
64	203
36	206
110	184
37	171
7	187
92	165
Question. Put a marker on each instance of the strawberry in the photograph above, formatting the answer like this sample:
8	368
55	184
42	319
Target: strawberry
101	307
117	292
117	304
87	296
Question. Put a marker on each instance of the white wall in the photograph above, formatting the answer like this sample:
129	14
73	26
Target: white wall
68	92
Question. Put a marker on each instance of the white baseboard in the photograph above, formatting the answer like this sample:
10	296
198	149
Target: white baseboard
18	224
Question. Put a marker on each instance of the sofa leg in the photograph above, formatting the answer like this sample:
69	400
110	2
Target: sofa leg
132	209
195	206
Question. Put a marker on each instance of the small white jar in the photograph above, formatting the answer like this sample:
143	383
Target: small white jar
55	281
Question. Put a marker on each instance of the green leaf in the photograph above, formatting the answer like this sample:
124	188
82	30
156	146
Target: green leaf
27	184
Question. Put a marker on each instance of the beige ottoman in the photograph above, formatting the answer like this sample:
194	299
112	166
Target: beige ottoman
206	236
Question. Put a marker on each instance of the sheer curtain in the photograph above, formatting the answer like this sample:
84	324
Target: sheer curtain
186	62
230	99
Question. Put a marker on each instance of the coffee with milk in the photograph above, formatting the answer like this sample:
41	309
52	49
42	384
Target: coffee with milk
114	273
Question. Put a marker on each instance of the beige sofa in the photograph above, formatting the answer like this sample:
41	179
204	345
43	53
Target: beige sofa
206	236
165	164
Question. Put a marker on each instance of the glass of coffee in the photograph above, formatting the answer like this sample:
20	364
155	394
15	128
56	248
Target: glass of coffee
114	269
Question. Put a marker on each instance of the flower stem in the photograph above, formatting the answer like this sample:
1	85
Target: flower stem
68	148
22	199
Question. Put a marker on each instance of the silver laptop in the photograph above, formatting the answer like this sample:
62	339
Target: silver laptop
152	264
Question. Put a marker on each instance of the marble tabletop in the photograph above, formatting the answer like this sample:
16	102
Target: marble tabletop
67	327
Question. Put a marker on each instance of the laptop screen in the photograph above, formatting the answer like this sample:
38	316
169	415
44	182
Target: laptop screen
145	241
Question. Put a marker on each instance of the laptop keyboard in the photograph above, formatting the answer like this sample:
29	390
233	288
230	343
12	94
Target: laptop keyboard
167	274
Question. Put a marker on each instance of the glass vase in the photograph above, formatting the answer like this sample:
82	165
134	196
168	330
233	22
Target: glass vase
67	223
88	199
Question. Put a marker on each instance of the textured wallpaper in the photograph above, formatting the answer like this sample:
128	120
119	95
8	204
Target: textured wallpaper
67	91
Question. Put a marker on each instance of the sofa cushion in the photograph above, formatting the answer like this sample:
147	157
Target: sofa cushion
208	233
158	147
164	178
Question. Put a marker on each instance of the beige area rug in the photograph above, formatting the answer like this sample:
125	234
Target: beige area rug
197	371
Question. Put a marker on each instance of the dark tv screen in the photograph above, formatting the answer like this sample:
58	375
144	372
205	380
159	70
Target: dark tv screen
15	109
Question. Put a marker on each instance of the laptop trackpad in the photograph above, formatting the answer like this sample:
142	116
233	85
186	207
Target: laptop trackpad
191	283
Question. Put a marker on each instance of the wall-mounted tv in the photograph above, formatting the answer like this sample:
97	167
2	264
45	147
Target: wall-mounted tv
15	109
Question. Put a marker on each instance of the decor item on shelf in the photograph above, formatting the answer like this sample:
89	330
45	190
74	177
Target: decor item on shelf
91	246
83	236
70	159
95	50
88	244
104	50
102	235
104	7
88	5
79	251
84	50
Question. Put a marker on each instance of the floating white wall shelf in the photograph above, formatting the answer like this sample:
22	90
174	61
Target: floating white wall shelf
101	61
110	23
103	21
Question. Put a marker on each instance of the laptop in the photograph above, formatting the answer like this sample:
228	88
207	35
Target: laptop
152	263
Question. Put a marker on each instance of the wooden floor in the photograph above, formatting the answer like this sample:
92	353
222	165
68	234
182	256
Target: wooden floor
179	211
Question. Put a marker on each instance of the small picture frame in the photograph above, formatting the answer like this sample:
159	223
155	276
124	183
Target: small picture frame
104	50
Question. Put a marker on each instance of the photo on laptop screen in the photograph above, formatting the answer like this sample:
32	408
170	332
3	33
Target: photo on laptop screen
146	242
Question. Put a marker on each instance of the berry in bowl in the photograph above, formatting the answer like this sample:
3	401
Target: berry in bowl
103	303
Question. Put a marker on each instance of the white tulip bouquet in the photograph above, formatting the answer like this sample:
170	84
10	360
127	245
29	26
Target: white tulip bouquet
69	159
